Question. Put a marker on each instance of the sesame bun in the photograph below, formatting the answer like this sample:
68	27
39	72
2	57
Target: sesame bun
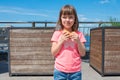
66	31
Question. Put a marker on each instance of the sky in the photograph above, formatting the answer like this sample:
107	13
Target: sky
48	10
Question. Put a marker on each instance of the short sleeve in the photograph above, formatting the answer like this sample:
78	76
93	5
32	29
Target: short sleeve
55	36
82	38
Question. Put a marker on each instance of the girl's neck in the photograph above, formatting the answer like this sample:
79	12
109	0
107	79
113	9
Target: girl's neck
70	30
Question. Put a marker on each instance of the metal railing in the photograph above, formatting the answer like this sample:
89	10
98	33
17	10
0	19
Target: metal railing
33	24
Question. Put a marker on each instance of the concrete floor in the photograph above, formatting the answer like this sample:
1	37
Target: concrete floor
88	73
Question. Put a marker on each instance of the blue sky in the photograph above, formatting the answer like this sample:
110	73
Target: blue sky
48	10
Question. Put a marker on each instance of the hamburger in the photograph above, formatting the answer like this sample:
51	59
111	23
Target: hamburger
66	31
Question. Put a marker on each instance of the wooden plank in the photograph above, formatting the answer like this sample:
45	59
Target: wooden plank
30	33
112	59
29	49
17	35
96	49
38	39
29	44
37	69
31	57
32	62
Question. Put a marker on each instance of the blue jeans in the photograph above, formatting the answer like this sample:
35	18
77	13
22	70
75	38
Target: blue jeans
58	75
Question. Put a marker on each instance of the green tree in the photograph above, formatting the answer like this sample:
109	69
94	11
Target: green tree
114	22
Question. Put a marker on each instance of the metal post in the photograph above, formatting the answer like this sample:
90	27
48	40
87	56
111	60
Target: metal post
100	23
45	24
33	24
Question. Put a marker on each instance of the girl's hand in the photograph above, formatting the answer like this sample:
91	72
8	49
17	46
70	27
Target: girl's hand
75	37
81	47
64	37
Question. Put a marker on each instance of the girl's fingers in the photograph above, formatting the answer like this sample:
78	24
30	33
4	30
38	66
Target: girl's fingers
67	35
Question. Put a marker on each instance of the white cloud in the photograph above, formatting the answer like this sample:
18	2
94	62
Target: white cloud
104	1
82	17
21	11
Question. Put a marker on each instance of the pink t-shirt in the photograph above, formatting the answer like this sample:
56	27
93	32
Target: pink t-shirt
68	58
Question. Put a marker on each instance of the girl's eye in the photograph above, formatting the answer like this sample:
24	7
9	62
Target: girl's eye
71	17
64	17
68	17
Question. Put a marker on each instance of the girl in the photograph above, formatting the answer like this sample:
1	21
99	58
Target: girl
68	46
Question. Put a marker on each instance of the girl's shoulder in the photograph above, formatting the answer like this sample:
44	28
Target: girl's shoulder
78	32
57	33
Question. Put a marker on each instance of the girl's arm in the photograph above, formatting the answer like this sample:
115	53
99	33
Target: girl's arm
81	47
56	46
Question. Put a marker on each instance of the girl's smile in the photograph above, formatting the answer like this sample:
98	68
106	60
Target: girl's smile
67	21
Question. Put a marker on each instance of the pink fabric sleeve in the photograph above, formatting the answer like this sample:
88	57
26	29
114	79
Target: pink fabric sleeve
55	36
82	38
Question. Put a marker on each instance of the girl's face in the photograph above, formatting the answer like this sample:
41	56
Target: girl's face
68	21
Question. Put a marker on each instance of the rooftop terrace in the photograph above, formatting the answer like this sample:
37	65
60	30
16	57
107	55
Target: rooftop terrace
88	73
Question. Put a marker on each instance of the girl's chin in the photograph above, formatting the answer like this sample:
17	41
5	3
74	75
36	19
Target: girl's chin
68	26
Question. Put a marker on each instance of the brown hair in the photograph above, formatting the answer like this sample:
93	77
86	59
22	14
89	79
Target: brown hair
68	10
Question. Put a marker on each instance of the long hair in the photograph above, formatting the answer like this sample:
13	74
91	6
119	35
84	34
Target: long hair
68	10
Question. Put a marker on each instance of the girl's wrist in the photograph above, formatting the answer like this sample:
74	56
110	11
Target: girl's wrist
79	43
60	42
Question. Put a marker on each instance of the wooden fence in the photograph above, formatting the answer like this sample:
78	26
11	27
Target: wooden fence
105	50
29	51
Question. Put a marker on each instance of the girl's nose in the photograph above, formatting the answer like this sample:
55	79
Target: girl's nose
67	19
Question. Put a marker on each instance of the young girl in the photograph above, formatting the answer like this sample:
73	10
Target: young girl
68	46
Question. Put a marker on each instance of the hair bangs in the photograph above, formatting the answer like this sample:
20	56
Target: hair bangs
67	11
